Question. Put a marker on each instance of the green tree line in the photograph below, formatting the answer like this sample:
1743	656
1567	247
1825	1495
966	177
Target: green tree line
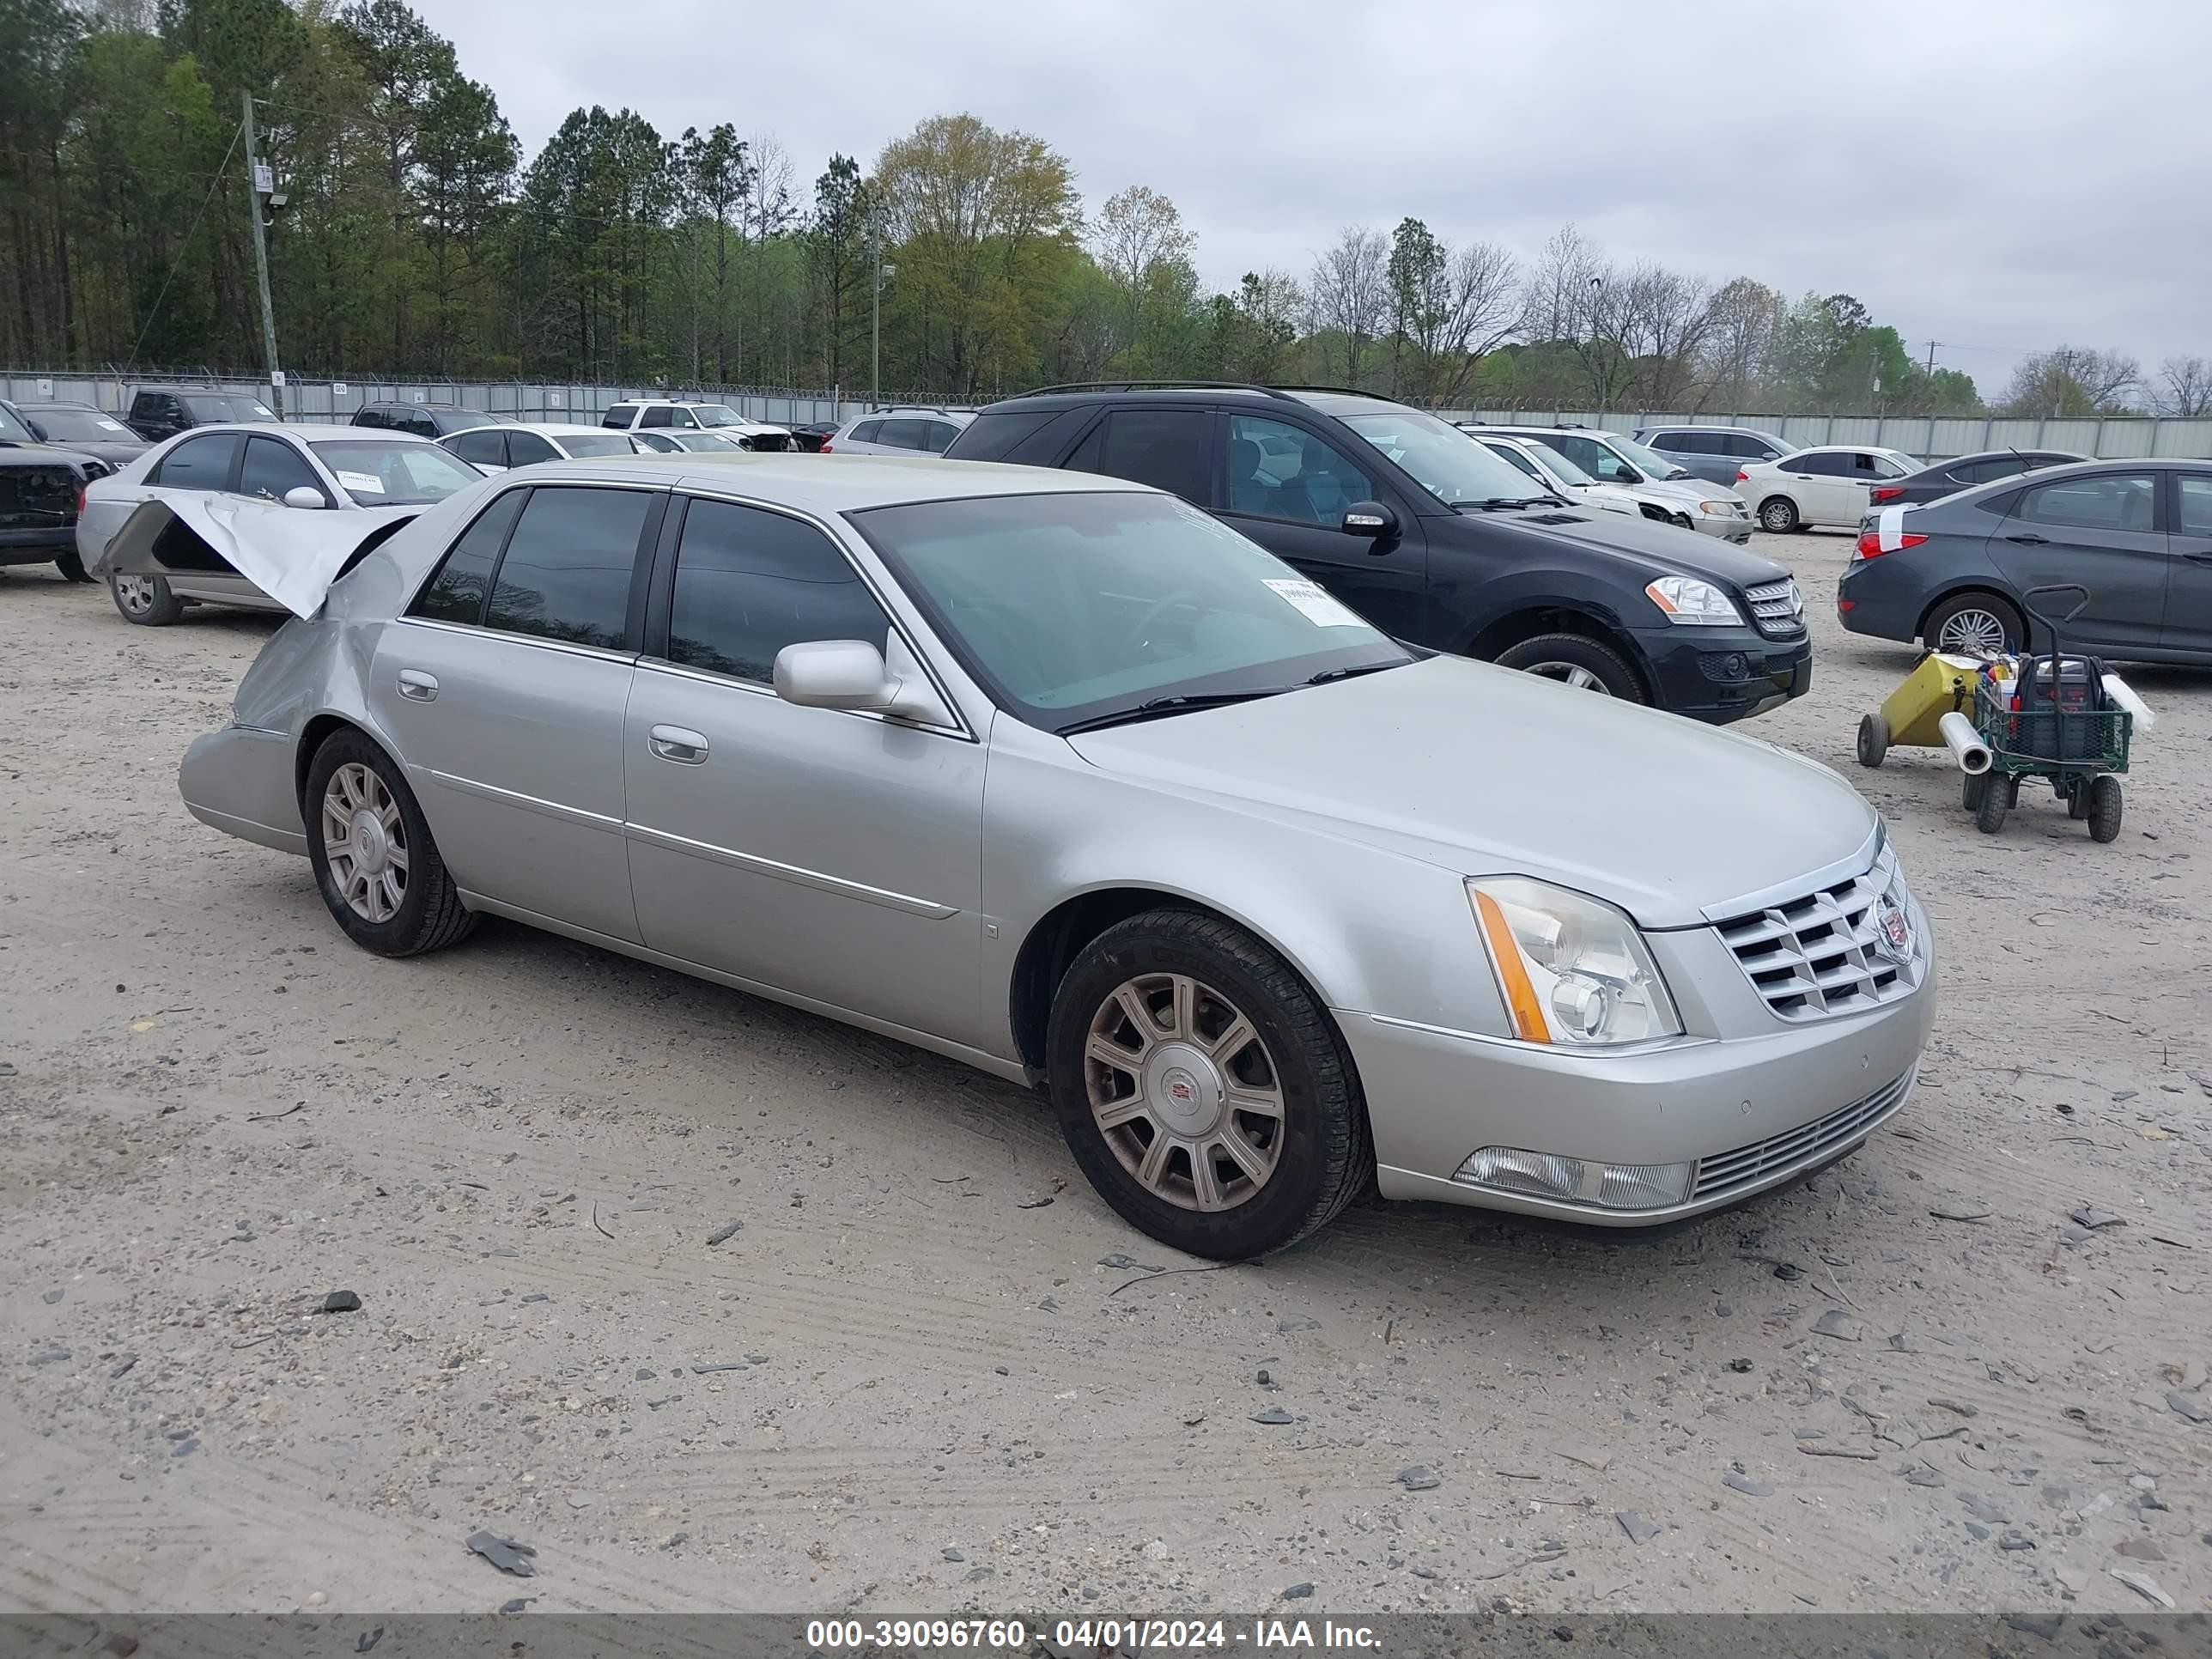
417	240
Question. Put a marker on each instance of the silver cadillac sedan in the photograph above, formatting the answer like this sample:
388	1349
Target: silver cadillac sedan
1063	778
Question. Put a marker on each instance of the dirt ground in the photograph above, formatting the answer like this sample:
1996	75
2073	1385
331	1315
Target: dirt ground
928	1372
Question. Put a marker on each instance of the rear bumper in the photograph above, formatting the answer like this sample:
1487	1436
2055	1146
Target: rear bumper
240	780
36	544
1882	603
1723	674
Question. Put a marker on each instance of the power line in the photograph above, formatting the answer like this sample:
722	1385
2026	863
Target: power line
177	265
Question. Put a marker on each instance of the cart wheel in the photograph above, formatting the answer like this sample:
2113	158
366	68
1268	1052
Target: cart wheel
1971	788
1996	801
2104	809
1874	739
2078	798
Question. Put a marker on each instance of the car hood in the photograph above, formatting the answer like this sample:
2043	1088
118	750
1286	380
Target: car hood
290	553
1662	547
1485	771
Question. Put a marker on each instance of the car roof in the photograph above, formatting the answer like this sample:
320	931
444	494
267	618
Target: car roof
57	403
1851	449
2007	454
828	485
551	428
305	430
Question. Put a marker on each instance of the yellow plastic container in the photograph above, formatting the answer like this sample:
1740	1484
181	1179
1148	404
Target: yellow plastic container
1936	687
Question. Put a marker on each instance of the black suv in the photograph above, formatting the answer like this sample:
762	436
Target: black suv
162	411
426	420
1434	538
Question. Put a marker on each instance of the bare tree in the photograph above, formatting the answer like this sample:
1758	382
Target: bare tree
1739	346
2072	380
1139	238
2184	387
1349	292
1664	318
1557	295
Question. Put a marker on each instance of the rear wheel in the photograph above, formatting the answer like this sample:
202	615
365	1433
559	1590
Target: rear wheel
1577	660
1971	788
1778	514
1973	625
144	598
375	862
1203	1088
1874	739
2104	809
1996	801
70	566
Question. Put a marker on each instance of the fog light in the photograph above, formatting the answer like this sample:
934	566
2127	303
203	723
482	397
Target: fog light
1724	664
1577	1181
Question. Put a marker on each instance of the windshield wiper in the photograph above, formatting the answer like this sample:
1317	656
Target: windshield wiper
1501	503
1330	675
1173	705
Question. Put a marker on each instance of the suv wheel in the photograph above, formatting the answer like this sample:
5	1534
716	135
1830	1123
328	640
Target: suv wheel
1203	1089
1778	514
1575	660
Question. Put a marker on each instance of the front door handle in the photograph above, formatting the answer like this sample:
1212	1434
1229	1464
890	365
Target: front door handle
2030	541
417	685
675	743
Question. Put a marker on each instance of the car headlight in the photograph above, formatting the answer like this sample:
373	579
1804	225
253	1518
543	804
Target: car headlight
1686	599
1718	509
1572	970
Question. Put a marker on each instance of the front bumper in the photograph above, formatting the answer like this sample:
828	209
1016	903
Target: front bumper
1695	670
1734	528
1753	1112
36	544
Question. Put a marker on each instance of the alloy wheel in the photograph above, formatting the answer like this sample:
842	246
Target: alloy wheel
1777	516
365	842
136	593
1971	632
1184	1092
1569	673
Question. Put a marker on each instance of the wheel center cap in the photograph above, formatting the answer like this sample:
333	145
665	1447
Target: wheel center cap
371	851
1186	1089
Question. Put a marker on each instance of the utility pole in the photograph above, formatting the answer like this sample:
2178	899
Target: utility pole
876	306
261	184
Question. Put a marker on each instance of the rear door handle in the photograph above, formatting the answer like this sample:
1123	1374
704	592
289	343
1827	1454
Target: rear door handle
2030	541
675	743
415	685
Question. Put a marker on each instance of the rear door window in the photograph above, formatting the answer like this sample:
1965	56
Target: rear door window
749	582
995	432
567	571
866	432
659	415
902	435
201	462
2111	500
1171	449
620	415
486	446
456	593
1827	465
938	436
272	467
527	448
2193	504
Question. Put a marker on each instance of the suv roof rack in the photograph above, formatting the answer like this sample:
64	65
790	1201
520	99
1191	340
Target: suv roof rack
1156	386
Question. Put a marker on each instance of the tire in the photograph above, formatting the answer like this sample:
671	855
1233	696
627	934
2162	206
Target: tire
1996	801
1980	620
428	913
1971	789
1315	1147
2078	798
1577	660
1778	515
2105	807
144	599
70	566
1874	740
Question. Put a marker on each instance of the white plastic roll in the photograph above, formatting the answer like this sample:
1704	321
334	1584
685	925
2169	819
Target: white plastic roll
1964	744
2124	695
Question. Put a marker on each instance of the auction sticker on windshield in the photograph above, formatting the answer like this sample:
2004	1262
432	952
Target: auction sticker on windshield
1313	604
363	482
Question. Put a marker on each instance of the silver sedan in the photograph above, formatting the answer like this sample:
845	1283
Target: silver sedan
1062	777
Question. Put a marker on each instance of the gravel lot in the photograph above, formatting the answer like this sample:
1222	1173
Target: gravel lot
927	1373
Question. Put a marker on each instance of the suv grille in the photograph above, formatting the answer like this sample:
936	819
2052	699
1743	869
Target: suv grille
1777	610
1824	954
1806	1144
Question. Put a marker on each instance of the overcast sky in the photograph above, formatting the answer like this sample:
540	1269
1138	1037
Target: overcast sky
1999	175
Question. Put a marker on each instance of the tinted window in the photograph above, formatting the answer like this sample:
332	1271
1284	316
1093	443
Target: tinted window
939	436
1688	443
200	463
368	417
209	408
1594	458
866	432
1745	448
582	444
1169	448
1985	471
657	416
1508	453
567	573
749	582
456	593
2195	502
273	467
2112	500
1829	465
486	448
620	415
527	448
990	435
904	435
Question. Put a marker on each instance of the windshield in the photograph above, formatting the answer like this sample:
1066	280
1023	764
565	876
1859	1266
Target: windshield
582	444
14	429
380	472
716	415
1074	608
208	408
1563	469
1658	465
707	440
84	426
1445	461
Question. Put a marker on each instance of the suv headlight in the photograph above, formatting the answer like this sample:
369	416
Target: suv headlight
1686	599
1572	971
1718	509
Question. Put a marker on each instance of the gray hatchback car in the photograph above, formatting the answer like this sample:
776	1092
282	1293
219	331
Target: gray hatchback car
1064	778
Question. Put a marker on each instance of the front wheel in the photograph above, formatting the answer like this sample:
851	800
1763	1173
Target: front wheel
1203	1089
1778	515
377	866
2104	809
1996	801
1874	740
144	598
1973	625
1575	660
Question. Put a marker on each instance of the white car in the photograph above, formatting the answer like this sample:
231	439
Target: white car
902	431
665	442
1710	510
1828	484
160	531
679	414
497	449
1560	476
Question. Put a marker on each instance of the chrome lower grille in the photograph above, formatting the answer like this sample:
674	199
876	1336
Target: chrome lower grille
1777	610
1825	954
1808	1143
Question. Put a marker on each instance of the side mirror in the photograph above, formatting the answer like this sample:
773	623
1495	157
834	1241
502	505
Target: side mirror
1368	518
305	496
852	674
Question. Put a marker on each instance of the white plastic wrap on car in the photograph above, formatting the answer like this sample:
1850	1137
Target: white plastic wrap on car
291	554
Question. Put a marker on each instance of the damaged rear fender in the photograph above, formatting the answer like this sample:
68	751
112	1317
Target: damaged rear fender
292	554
